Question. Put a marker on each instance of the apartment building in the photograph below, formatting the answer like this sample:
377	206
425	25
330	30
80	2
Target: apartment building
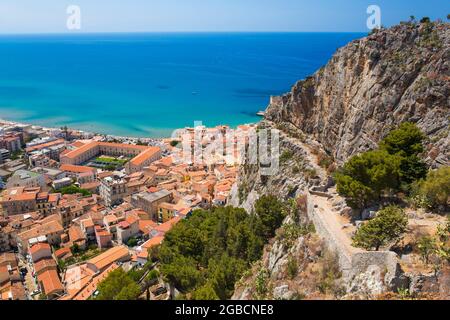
113	190
25	178
149	202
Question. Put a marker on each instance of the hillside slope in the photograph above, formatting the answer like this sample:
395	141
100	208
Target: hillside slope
368	88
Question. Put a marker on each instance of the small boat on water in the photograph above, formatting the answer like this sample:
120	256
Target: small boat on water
261	113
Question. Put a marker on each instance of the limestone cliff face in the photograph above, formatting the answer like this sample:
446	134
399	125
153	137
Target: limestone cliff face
368	88
373	84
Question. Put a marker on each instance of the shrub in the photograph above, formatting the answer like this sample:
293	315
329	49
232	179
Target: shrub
286	156
329	273
132	242
261	282
434	191
74	190
389	225
292	268
426	246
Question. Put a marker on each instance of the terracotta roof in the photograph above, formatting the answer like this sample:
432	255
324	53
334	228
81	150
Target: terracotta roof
165	227
50	282
155	241
75	234
150	152
76	169
60	253
146	225
39	246
87	223
124	225
44	264
42	230
44	145
110	256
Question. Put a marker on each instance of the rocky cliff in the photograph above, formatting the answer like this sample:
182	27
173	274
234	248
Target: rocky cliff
373	84
368	87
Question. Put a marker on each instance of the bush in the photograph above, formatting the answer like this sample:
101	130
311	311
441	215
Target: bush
426	246
74	190
286	156
389	224
329	273
292	268
434	191
132	242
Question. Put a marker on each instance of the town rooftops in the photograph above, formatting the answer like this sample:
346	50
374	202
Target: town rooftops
38	247
152	197
44	145
119	253
42	230
44	264
149	153
145	151
50	282
76	169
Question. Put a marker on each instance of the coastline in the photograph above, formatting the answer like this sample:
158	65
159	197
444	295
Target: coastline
121	138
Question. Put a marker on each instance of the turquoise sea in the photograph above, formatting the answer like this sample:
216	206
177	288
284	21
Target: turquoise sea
148	84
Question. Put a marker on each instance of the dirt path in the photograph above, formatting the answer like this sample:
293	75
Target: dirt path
331	219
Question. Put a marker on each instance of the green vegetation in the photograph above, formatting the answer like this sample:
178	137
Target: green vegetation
425	20
426	246
261	282
174	143
434	191
329	274
393	167
205	255
436	246
118	285
286	156
141	143
132	242
292	267
389	225
111	162
73	189
79	256
16	155
324	160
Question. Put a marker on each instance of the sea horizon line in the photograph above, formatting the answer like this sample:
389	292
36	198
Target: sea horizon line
75	33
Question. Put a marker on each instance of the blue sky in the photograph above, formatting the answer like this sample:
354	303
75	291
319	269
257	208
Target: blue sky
49	16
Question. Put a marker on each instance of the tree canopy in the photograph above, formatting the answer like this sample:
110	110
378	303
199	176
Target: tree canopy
390	168
206	254
389	224
118	286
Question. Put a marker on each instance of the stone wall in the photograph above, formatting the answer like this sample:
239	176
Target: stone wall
353	265
330	240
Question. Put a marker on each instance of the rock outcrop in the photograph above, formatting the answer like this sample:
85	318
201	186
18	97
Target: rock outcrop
372	85
368	88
